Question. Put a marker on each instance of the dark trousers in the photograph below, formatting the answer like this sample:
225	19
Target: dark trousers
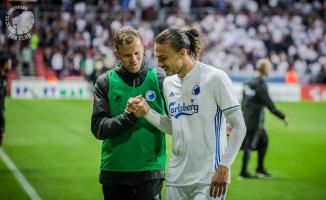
149	190
261	147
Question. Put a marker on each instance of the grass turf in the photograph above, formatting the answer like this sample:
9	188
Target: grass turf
51	143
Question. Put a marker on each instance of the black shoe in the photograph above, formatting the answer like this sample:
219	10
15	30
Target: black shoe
263	174
246	175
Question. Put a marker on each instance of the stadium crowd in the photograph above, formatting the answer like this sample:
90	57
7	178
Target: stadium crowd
74	39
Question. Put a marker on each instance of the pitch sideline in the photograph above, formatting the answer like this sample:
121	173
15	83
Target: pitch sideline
19	176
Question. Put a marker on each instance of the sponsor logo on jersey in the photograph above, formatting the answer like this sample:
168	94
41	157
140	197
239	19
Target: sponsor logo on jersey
150	95
196	90
179	109
172	94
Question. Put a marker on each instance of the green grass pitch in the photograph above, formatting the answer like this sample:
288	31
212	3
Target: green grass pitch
51	143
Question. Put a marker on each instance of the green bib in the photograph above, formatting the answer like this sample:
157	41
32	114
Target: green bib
142	147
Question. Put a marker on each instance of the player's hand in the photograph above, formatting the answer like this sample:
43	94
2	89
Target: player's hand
286	121
142	108
219	182
131	104
138	106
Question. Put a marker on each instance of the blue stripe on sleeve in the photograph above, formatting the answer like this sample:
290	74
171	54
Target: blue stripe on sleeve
218	120
216	156
230	108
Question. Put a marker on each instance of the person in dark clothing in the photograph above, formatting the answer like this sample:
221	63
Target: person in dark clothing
255	98
133	151
5	66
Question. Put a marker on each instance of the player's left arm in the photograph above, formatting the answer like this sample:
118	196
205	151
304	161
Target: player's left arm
221	176
238	126
229	106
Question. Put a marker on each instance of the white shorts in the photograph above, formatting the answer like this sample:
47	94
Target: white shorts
193	192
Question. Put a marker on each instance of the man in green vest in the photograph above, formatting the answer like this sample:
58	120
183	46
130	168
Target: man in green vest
133	151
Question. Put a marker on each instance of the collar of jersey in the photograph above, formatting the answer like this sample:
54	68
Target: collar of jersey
192	72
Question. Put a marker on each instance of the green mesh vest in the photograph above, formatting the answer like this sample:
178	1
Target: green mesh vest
142	147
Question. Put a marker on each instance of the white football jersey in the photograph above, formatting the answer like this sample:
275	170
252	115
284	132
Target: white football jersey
195	104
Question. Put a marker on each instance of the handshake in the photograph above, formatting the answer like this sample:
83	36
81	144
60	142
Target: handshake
137	106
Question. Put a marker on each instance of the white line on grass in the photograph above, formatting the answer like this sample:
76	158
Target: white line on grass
19	176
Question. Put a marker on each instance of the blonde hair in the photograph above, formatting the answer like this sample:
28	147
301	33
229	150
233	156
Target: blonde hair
124	36
262	64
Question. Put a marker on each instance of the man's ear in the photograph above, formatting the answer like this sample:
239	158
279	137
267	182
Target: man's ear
183	52
116	53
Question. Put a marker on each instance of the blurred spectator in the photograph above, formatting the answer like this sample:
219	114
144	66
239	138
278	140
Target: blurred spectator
77	64
34	42
321	77
88	66
27	60
98	70
235	34
291	77
57	63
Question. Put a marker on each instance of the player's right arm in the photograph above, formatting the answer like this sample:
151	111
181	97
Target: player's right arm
162	122
103	125
139	107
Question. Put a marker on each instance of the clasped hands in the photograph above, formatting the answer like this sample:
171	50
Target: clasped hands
137	106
